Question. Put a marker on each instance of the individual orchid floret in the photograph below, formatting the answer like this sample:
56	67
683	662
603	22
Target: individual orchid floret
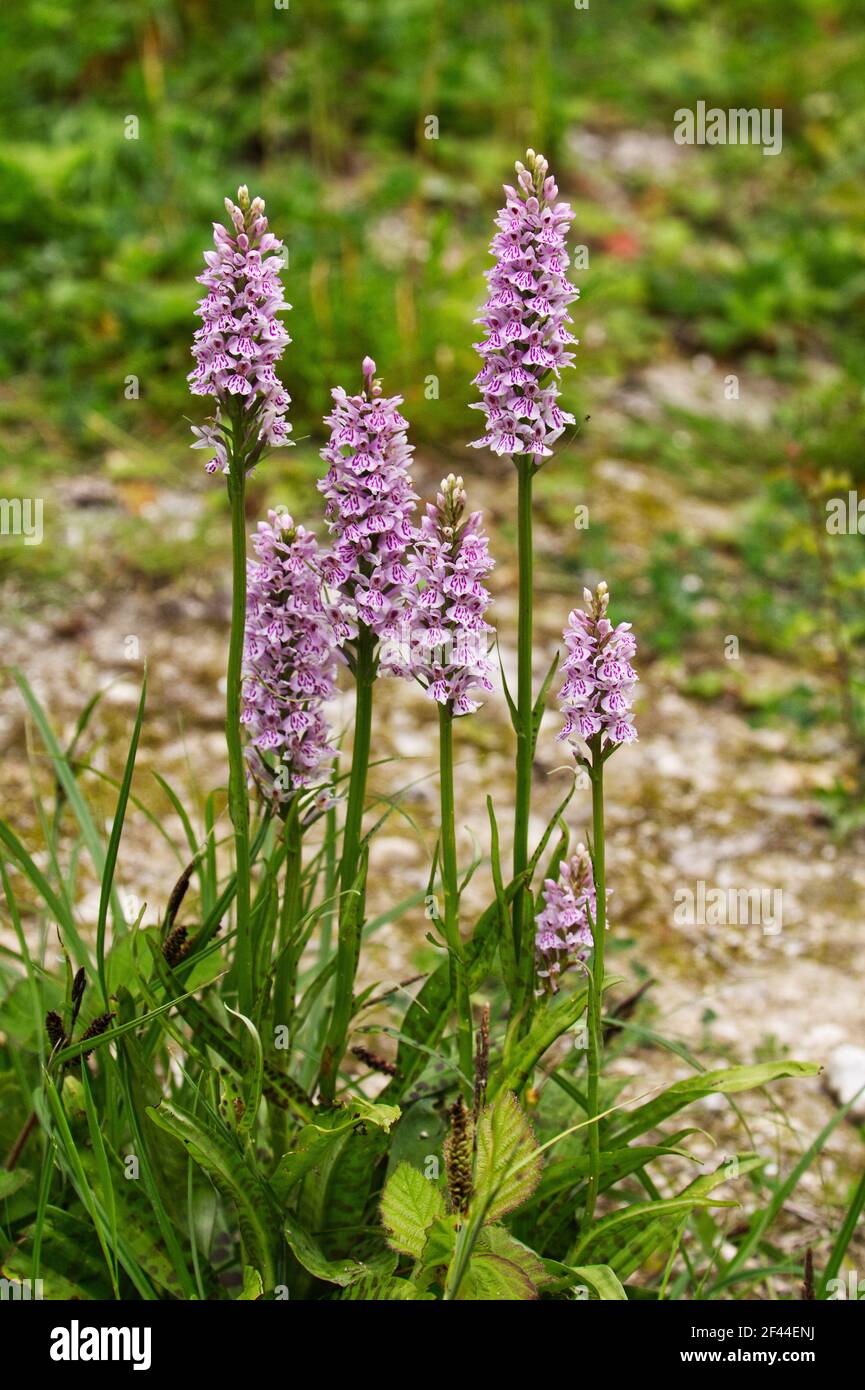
290	659
445	635
563	930
241	339
370	503
526	339
599	680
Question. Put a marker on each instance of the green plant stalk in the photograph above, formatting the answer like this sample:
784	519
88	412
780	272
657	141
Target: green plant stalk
318	1012
238	804
523	796
466	1240
450	888
364	675
596	978
290	913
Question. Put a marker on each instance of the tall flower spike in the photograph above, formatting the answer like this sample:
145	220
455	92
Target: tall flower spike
458	1157
370	502
241	337
444	638
563	933
525	319
290	659
599	679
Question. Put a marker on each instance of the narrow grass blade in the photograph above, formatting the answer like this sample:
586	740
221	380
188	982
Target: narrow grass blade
114	843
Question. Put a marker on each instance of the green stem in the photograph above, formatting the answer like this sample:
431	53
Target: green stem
467	1238
286	973
285	984
238	804
364	682
317	1016
596	978
523	797
350	919
450	886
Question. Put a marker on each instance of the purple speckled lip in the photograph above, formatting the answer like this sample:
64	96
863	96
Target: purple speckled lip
444	635
370	503
290	659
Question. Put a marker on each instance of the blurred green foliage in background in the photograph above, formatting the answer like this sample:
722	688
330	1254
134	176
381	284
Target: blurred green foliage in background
323	107
380	132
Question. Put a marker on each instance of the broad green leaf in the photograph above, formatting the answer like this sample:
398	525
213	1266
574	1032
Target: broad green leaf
551	1021
315	1140
410	1203
343	1271
439	1244
73	1268
311	1147
253	1079
384	1116
497	1240
217	1154
508	1163
421	1131
56	1283
253	1288
378	1288
599	1280
491	1279
727	1081
139	1232
344	1200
